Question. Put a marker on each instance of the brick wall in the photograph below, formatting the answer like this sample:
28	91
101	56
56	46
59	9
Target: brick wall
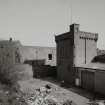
74	48
40	71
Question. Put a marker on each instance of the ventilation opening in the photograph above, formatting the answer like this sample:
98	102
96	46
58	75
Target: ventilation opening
49	56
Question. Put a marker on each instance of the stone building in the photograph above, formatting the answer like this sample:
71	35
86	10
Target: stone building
10	52
13	52
38	53
73	49
16	56
77	60
11	62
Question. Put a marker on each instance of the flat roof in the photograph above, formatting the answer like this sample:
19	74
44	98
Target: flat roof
95	66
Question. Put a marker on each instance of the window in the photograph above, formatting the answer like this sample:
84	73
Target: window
50	56
17	56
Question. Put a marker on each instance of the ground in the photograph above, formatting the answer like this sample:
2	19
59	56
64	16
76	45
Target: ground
58	92
46	91
9	96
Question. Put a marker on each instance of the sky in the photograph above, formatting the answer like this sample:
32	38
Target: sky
35	22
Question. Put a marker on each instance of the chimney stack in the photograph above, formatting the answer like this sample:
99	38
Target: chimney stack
74	27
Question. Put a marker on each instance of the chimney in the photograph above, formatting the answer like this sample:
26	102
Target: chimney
74	27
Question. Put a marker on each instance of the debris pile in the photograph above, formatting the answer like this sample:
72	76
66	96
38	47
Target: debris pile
97	102
8	97
42	96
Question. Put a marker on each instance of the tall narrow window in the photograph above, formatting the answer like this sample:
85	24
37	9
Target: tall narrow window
50	56
17	56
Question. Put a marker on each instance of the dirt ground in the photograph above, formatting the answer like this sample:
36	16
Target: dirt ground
59	93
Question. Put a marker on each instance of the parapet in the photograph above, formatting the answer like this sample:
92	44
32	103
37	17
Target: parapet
74	27
88	35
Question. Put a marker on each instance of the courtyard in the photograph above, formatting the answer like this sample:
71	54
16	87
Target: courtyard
58	93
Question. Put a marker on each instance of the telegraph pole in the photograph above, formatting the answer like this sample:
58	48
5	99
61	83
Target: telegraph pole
85	50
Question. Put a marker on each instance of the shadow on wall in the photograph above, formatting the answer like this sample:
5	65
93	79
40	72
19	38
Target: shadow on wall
35	62
41	70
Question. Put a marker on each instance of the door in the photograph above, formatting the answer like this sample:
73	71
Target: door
87	80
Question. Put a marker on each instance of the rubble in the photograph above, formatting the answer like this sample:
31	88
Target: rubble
97	102
42	96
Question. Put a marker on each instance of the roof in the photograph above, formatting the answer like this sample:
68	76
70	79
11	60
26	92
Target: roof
95	66
44	47
10	43
63	36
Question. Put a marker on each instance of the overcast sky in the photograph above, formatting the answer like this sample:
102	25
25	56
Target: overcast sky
34	22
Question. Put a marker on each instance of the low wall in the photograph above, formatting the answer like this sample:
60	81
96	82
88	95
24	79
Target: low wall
24	70
44	71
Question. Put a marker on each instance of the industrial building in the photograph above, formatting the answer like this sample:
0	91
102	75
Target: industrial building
76	51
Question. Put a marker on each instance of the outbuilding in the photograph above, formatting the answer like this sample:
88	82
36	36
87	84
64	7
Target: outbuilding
92	77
